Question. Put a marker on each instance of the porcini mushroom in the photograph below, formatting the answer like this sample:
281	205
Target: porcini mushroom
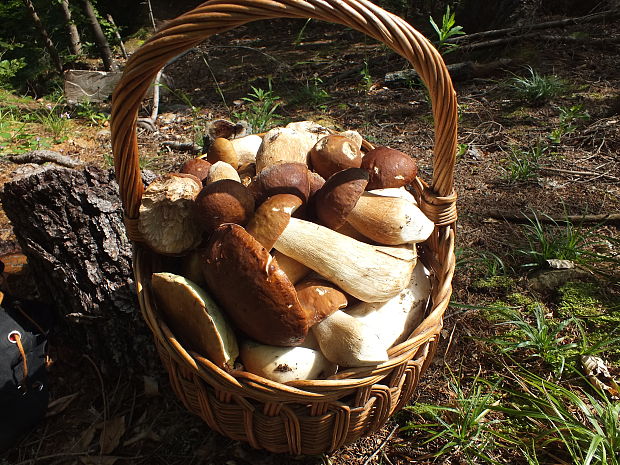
319	298
386	220
247	147
167	214
252	289
195	318
221	170
224	201
389	168
292	268
348	342
370	273
334	153
222	150
271	218
282	178
285	364
394	319
197	167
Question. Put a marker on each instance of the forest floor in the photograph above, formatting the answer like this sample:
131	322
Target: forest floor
507	334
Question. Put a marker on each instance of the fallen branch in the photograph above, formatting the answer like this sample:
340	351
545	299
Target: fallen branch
579	173
190	147
538	36
603	16
44	156
607	218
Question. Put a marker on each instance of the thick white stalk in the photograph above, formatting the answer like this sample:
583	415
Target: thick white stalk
370	273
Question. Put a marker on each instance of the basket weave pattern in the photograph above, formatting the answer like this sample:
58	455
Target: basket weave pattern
311	416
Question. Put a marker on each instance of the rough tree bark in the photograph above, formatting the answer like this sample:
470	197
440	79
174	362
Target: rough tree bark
75	44
100	39
47	42
69	224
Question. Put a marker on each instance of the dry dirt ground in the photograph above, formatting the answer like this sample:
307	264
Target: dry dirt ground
580	175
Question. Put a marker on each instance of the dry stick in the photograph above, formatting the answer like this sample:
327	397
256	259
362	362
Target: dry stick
611	14
607	218
539	36
381	446
118	36
582	173
44	156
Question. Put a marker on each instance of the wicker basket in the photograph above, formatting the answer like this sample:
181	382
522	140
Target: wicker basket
302	417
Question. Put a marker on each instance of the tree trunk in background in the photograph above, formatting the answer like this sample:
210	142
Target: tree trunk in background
75	45
47	42
100	39
69	224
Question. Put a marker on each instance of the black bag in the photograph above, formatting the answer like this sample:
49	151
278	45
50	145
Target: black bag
23	377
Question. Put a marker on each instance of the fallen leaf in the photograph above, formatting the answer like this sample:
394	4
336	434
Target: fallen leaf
598	374
111	434
87	437
59	405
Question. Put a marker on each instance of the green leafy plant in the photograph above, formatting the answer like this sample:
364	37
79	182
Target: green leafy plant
523	166
537	88
461	427
260	108
91	113
569	118
54	119
572	427
553	241
543	338
447	30
367	81
312	93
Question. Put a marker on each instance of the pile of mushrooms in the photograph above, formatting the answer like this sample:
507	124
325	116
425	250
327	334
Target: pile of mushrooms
295	252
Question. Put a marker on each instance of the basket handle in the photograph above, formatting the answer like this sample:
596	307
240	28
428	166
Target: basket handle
217	16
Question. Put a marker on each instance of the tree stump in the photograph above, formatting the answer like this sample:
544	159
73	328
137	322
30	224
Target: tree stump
69	225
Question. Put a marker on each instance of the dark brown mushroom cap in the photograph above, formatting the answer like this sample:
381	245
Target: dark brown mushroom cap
316	182
389	168
247	282
282	178
334	153
223	201
319	299
334	201
197	167
271	218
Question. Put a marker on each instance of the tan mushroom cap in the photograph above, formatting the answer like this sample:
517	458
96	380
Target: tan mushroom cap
195	318
224	201
166	218
251	288
282	178
197	167
334	201
222	150
334	153
389	168
271	218
319	298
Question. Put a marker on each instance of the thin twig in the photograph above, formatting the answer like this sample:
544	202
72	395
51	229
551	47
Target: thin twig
105	401
580	173
607	218
381	446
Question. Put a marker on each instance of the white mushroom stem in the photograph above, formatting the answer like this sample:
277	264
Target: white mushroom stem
390	220
348	342
395	319
370	273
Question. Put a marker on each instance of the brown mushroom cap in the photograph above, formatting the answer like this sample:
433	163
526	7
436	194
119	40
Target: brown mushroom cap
389	168
197	167
334	153
316	182
166	218
335	200
282	178
252	289
222	150
271	218
319	298
223	201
